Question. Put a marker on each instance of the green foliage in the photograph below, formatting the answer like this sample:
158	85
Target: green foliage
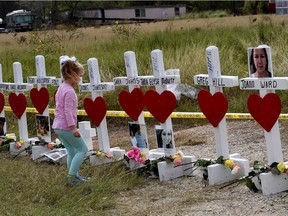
206	14
27	190
275	168
123	31
255	7
47	45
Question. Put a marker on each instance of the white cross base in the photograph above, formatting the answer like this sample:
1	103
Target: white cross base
167	171
117	153
219	173
87	133
271	183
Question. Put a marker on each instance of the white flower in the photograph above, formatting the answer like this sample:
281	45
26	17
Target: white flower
57	141
235	170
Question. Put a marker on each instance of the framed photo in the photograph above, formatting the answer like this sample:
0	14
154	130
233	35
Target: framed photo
158	132
56	154
260	62
2	126
43	126
138	135
164	138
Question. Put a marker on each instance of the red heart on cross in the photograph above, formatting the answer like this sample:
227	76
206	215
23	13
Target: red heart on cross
18	103
214	107
132	103
265	110
40	98
160	105
96	110
2	102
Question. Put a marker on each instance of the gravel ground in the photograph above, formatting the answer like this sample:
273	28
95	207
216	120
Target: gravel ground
191	195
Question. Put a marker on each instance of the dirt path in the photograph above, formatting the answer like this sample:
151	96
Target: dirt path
191	195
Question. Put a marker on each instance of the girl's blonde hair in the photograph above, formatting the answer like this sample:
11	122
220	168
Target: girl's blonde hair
70	69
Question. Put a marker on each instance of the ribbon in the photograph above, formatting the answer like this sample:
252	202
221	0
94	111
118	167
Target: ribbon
64	59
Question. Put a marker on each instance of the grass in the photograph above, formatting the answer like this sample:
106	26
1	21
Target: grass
31	188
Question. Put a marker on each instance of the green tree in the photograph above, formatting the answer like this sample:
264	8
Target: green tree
255	7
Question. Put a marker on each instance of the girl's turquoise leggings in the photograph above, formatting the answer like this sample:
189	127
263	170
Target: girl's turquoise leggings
76	149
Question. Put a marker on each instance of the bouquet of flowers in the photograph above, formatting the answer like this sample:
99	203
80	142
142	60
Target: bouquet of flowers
108	155
176	159
235	168
137	155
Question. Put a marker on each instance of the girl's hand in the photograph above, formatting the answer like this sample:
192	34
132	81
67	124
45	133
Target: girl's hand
75	132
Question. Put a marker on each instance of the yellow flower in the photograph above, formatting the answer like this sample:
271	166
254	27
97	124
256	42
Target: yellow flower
98	153
281	167
9	137
229	163
143	154
176	156
22	142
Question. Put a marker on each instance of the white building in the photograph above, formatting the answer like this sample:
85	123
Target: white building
141	13
149	12
281	7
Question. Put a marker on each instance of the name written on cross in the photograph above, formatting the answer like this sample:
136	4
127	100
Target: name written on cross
147	80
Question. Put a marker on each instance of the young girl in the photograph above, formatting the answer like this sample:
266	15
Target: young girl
65	122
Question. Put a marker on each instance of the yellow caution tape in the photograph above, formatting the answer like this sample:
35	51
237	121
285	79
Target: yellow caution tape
185	115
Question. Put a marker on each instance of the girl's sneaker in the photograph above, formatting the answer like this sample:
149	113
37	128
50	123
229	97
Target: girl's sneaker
73	180
82	178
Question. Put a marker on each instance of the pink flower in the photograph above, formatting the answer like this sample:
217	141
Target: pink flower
142	160
136	151
137	158
109	155
177	161
130	154
18	145
50	146
235	170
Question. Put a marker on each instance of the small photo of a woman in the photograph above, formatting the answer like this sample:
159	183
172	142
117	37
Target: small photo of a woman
164	138
260	63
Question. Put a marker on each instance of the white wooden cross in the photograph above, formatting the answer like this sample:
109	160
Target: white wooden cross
216	82
270	183
42	81
132	73
268	85
87	133
96	87
2	87
166	170
19	87
217	173
57	81
159	72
